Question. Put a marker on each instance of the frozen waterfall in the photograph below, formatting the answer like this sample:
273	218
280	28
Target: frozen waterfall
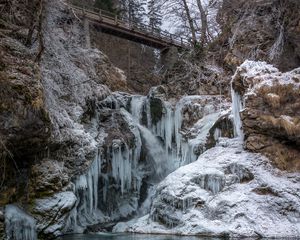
156	153
163	137
86	187
179	151
19	225
237	106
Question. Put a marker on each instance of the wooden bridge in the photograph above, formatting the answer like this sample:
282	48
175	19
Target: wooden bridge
114	25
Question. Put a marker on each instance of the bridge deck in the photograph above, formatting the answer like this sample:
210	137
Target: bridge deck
111	24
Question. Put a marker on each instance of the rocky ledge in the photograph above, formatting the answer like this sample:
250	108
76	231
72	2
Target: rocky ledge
226	192
271	114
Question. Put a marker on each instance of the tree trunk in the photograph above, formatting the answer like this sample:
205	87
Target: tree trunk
204	25
190	20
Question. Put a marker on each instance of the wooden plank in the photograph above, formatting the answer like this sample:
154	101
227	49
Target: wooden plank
138	32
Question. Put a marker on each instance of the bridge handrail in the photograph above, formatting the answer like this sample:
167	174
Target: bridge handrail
155	32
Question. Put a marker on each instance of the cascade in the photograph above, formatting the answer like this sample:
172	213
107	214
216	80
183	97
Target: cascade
19	225
237	106
155	152
124	163
166	150
179	151
136	107
146	206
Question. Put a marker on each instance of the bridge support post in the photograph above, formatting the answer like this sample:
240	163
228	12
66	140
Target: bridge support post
168	57
86	26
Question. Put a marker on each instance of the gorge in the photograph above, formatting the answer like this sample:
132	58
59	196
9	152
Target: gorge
212	150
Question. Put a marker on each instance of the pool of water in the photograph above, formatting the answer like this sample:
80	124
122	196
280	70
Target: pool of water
111	236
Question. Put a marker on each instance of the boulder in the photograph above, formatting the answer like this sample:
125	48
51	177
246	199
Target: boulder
52	213
271	114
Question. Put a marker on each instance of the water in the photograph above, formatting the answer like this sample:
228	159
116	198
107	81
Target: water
109	236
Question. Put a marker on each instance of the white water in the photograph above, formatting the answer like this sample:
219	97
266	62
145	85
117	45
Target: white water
166	150
155	152
178	150
19	225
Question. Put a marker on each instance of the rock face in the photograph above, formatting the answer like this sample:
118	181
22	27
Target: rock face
265	30
270	118
24	121
226	192
187	77
139	62
52	213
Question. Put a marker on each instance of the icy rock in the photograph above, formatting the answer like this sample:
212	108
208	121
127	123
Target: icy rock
227	191
48	177
184	128
265	102
52	213
18	224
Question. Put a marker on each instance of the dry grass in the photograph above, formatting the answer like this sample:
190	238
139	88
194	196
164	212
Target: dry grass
290	125
273	100
286	93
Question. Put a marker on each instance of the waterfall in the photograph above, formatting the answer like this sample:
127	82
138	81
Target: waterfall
237	106
165	147
136	107
19	225
155	152
179	150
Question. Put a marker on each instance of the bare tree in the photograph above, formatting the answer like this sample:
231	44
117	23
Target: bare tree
204	25
190	21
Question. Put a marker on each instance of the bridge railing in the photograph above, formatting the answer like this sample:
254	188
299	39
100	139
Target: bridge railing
134	26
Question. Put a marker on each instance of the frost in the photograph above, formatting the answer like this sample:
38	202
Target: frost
278	45
86	211
219	194
19	225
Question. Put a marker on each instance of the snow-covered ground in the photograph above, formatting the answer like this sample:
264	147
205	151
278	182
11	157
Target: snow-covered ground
226	192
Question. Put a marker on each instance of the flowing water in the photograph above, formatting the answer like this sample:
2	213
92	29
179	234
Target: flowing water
110	236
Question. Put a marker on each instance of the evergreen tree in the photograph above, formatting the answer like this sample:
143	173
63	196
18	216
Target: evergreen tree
154	14
105	5
133	10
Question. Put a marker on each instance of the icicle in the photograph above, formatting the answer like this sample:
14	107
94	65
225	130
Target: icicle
121	166
136	107
86	211
236	108
217	134
19	225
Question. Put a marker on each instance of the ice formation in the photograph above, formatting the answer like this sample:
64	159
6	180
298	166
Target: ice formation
86	211
237	106
226	192
19	225
179	150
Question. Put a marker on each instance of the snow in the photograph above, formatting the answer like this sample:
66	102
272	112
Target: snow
262	74
19	225
56	207
220	194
